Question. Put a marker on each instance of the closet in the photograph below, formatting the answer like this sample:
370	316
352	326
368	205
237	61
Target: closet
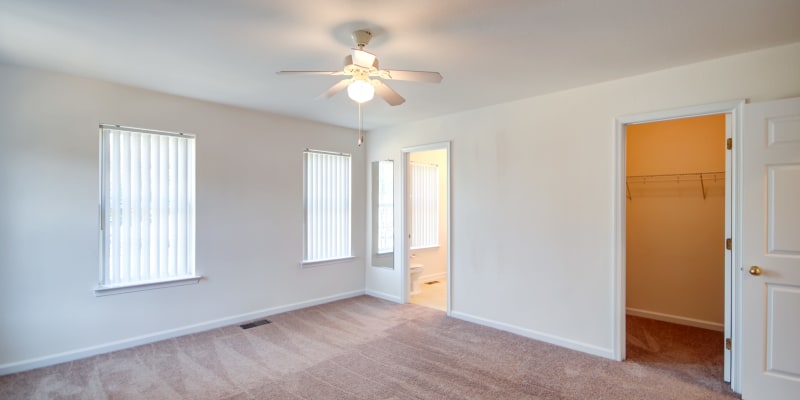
675	221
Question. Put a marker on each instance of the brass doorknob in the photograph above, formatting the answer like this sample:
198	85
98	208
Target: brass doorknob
755	270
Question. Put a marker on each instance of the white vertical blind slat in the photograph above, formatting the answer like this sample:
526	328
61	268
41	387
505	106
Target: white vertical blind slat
163	207
190	206
338	203
318	221
173	215
144	163
322	199
319	249
348	205
114	204
125	201
155	201
307	203
331	200
181	208
135	207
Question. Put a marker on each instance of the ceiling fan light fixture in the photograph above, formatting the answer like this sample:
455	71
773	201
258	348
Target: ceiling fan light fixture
359	66
360	91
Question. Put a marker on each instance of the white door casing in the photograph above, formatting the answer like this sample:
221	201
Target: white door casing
770	239
405	267
733	112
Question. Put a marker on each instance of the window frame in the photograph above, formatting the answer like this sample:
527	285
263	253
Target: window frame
305	261
104	287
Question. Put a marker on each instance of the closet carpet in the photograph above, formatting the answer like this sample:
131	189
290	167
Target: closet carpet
366	348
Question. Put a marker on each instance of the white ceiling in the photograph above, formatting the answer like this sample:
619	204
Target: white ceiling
489	52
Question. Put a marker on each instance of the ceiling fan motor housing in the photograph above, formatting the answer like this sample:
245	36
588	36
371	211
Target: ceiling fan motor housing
350	68
362	37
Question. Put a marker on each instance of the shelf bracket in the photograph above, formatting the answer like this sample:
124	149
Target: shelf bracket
703	186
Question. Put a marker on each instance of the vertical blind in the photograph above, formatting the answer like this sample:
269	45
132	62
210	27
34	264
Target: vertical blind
147	205
425	203
327	206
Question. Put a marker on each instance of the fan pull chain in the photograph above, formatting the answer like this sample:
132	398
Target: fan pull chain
360	126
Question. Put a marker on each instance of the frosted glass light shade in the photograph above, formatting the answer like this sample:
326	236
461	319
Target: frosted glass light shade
360	91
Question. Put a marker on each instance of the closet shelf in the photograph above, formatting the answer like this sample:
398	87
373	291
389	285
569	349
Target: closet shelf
701	177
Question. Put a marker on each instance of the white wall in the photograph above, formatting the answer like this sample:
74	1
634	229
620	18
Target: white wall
532	192
249	217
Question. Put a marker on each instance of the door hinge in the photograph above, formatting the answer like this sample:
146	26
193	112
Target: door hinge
729	244
729	143
728	343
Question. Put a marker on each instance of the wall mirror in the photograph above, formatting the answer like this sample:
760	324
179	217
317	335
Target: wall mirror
383	213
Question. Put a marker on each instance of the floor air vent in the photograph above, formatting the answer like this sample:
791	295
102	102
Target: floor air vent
255	324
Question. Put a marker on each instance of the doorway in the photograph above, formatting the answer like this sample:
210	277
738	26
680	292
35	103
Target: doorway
731	113
675	254
426	196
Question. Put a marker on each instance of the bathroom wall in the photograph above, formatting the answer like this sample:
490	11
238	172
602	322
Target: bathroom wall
434	259
675	254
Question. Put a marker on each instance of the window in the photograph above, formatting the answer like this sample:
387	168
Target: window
425	203
326	201
147	209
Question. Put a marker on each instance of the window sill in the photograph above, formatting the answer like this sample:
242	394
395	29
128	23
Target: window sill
101	290
309	264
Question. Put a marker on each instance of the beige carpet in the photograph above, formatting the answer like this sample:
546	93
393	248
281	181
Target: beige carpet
365	348
688	353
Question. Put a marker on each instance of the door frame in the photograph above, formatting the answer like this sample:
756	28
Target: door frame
405	283
733	110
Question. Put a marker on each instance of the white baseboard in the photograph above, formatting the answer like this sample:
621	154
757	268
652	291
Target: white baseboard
433	277
384	296
675	319
543	337
45	361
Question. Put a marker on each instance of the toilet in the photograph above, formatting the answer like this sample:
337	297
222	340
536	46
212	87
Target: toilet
416	272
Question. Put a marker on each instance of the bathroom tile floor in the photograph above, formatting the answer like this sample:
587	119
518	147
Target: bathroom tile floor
433	295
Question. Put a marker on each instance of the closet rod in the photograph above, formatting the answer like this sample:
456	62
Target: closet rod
703	176
689	174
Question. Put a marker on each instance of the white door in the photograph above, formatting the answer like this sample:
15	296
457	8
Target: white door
771	250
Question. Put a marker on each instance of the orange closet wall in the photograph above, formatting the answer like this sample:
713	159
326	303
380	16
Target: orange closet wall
675	237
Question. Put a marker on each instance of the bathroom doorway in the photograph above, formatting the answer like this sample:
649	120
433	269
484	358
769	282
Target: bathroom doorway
426	196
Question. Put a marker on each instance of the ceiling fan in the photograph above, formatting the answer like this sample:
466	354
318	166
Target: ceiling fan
361	66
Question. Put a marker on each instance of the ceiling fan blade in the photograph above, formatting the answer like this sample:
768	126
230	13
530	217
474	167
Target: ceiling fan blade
362	58
416	76
310	72
387	93
336	88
